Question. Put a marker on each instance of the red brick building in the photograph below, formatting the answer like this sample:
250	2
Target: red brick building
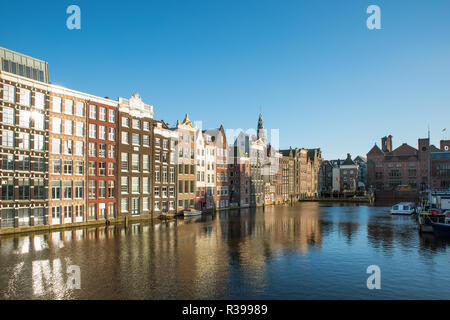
422	168
102	166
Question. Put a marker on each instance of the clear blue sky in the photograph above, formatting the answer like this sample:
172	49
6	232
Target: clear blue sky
318	73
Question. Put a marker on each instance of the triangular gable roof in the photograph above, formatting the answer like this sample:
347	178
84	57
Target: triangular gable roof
404	149
375	151
433	148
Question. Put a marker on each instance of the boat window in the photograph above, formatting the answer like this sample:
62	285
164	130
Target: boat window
406	207
395	207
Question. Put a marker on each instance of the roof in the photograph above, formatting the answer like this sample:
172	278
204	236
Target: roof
375	151
404	149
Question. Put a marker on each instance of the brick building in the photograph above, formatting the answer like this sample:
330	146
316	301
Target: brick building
165	169
135	153
102	155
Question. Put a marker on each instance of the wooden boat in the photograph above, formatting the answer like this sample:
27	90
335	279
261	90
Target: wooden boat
403	208
191	212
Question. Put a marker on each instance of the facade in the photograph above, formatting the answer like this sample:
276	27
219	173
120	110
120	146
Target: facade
24	145
135	153
325	177
362	171
239	170
165	169
422	168
222	197
102	170
348	175
205	157
186	165
67	145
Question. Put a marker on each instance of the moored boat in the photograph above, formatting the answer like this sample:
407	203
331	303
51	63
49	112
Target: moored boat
191	212
403	208
442	229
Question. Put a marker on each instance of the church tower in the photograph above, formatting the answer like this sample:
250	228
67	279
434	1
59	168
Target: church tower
261	131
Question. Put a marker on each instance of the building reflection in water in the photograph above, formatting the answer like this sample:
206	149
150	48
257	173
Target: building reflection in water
225	255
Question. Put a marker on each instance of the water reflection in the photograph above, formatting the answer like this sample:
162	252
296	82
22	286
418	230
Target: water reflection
276	252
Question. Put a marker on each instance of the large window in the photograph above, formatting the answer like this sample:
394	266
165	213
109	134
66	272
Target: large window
93	131
9	116
79	148
102	189
135	188
79	168
68	189
56	146
7	189
112	116
92	112
56	190
25	97
102	132
68	167
56	104
68	147
102	169
111	189
79	129
79	189
136	165
56	125
145	163
102	150
68	107
39	100
39	121
24	118
24	141
8	162
92	168
158	174
124	184
92	149
102	114
8	138
39	142
68	127
23	163
136	139
80	109
135	206
56	166
124	161
111	134
92	189
9	93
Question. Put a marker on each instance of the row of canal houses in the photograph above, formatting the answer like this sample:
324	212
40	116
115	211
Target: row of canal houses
72	158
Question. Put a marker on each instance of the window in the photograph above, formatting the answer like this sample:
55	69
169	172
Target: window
8	162
24	141
102	114
172	192
56	212
92	170
25	97
111	189
135	163
92	212
157	206
146	125
145	141
145	204
68	127
56	146
158	174
102	150
102	132
136	124
111	151
56	125
145	185
111	134
135	206
79	211
93	131
56	166
9	93
158	142
111	210
92	189
124	205
80	109
57	104
23	163
102	169
102	189
135	139
92	112
125	138
111	169
79	129
172	175
79	189
79	168
8	116
24	118
8	138
125	122
164	192
39	100
165	158
166	144
68	212
68	106
145	163
68	167
165	175
56	190
68	147
7	185
112	116
92	149
180	187
67	189
124	161
24	215
79	148
156	193
135	187
124	184
39	121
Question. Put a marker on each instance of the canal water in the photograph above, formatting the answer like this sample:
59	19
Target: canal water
306	251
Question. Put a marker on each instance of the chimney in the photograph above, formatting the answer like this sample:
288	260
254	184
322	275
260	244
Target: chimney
386	144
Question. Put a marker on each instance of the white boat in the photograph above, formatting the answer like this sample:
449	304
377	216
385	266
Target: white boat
191	212
403	208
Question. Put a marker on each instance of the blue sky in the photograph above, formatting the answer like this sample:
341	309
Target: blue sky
317	72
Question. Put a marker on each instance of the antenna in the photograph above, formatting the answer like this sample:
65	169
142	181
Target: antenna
428	132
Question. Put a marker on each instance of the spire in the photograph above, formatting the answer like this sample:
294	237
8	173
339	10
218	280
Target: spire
261	131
